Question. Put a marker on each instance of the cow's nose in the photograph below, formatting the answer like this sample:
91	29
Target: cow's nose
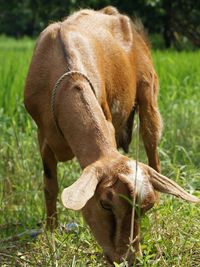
108	259
118	259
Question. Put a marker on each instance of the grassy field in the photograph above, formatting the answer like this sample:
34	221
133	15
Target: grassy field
171	240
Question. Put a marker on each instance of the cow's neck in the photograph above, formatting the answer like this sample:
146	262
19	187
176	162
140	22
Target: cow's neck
84	125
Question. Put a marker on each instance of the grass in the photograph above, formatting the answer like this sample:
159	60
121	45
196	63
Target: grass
173	239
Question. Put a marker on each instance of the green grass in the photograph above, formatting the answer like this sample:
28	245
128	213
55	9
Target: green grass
171	232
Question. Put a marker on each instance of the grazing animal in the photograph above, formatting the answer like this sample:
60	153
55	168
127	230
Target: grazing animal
89	113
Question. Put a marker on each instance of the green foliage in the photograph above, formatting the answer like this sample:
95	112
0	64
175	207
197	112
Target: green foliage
170	231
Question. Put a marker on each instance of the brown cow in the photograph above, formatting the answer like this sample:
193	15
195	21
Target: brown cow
110	73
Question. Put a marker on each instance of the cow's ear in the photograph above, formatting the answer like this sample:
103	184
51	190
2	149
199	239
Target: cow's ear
76	196
163	184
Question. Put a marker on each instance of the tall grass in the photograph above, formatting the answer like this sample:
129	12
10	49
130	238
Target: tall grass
172	239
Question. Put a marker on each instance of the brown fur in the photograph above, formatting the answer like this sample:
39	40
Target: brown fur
104	46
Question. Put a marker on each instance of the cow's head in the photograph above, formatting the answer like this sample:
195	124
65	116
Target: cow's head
103	192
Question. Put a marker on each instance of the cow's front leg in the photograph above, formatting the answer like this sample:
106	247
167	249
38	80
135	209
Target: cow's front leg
50	183
150	120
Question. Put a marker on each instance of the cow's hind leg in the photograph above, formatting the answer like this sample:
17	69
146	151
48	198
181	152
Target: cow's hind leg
150	120
50	182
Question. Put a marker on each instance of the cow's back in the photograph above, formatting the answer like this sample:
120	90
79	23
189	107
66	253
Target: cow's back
100	45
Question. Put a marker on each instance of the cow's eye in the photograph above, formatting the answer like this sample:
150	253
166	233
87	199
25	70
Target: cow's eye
105	205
